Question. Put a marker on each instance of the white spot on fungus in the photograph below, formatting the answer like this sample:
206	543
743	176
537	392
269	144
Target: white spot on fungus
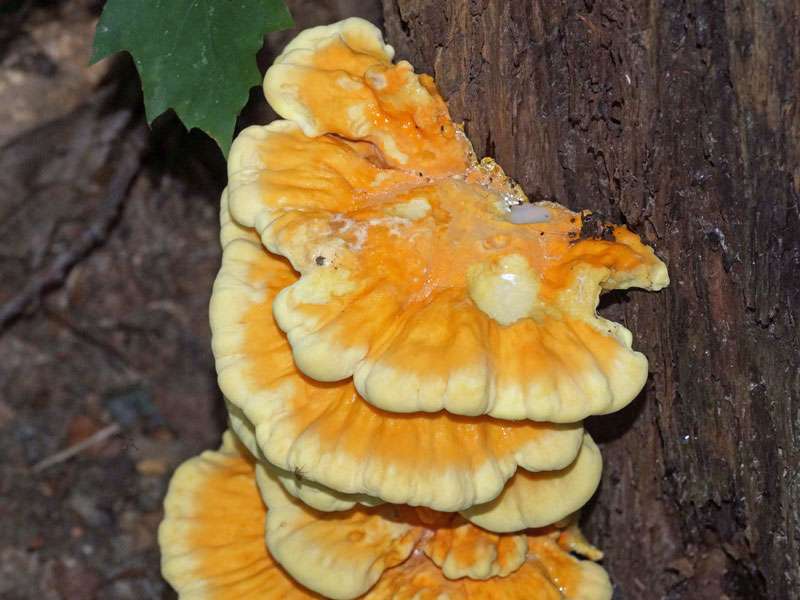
524	214
376	81
391	149
358	120
348	83
506	290
415	209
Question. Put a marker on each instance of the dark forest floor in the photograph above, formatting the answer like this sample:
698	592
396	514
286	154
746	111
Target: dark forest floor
103	309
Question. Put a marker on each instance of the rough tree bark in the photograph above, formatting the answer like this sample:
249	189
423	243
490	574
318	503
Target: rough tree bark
682	120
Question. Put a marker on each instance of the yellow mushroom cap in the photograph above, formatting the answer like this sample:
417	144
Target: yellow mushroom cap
212	536
327	432
529	500
574	580
340	79
426	276
540	499
339	555
213	547
460	549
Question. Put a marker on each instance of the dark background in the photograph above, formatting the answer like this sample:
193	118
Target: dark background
680	119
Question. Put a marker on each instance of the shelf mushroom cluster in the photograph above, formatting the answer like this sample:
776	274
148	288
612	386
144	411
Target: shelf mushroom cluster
407	347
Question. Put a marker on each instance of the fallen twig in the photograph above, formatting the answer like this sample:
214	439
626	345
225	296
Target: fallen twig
67	453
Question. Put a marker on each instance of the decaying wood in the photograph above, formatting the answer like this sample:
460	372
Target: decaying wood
682	120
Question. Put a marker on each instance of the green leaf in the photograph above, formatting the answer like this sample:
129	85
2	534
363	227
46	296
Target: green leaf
197	57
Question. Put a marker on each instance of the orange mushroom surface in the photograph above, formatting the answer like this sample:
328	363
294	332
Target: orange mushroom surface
426	276
214	548
528	500
327	432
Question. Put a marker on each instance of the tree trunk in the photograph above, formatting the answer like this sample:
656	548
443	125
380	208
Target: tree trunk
680	119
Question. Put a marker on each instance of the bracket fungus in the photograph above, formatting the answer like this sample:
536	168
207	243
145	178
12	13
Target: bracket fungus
220	504
407	347
329	433
420	275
